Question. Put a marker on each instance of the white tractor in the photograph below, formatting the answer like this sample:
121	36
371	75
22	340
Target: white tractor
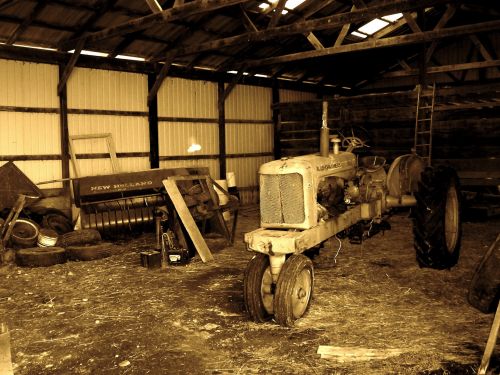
306	200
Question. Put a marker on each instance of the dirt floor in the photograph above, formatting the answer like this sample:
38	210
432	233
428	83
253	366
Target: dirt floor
112	316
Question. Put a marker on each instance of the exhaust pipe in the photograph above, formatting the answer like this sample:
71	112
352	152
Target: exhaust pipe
324	143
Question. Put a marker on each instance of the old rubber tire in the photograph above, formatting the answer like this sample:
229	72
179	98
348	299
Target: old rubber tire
79	237
40	256
90	251
484	289
294	290
437	228
25	233
258	288
60	223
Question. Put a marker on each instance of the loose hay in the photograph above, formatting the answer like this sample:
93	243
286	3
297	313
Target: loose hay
95	317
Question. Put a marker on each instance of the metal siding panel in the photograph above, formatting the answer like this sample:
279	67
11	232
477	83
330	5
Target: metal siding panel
176	137
107	90
245	169
29	133
292	96
134	164
179	97
28	84
248	138
212	164
42	170
249	103
130	134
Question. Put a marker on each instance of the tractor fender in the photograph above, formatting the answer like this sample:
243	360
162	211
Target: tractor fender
404	174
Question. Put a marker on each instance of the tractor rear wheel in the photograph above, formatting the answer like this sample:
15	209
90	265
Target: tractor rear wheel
258	288
437	226
294	290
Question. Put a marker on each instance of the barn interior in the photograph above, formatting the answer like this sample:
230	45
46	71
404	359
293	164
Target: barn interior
156	215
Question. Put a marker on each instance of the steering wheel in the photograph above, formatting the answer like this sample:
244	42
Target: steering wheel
353	142
354	137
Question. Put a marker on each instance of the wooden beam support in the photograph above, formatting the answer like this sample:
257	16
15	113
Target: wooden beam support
69	67
330	22
222	129
63	129
401	40
154	6
141	23
447	15
343	32
232	84
480	47
445	68
178	3
154	145
249	25
412	22
8	3
159	80
27	21
277	12
315	42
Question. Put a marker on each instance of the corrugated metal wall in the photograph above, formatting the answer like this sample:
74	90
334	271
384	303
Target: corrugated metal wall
289	96
187	114
249	130
31	127
91	90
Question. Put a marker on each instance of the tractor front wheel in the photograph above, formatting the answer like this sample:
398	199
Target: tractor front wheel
436	219
258	288
294	290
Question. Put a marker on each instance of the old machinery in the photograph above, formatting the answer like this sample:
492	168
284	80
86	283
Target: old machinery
306	200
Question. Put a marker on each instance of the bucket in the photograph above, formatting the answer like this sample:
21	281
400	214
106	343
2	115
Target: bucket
47	238
223	198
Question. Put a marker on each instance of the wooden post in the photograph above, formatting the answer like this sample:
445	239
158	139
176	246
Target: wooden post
63	125
276	119
222	129
154	147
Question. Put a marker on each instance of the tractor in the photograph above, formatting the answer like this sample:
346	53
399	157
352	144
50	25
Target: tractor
305	200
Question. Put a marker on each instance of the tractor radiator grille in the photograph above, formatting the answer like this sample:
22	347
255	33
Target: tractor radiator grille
282	199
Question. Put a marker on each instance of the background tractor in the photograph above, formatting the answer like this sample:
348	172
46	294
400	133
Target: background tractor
306	200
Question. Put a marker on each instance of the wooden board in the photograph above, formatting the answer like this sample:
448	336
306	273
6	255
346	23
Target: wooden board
188	221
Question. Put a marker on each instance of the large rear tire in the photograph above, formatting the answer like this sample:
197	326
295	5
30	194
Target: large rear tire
258	289
437	223
294	290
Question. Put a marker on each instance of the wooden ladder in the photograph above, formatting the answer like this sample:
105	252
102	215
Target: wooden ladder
423	122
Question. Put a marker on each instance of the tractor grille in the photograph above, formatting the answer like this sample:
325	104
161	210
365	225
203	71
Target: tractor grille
282	199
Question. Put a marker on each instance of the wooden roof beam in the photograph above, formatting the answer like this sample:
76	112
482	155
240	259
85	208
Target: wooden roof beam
141	23
343	32
422	37
447	15
247	22
330	22
277	12
27	22
159	80
70	66
7	3
445	68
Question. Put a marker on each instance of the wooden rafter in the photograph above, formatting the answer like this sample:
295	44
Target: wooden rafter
69	66
330	22
154	6
277	12
343	32
427	36
141	23
447	15
159	79
7	3
315	42
410	20
103	7
445	68
249	24
40	5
